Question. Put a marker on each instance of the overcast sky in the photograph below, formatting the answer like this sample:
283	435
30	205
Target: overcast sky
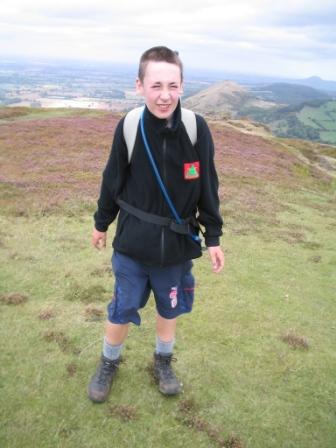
295	38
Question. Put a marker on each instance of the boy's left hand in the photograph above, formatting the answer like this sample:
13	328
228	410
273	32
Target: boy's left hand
217	258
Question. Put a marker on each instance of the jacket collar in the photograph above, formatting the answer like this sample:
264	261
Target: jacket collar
160	124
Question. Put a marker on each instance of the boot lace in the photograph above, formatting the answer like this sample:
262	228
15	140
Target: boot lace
107	369
166	368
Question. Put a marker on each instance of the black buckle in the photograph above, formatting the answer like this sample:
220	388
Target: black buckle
182	229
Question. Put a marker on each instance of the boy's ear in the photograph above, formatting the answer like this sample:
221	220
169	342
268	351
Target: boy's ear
138	87
181	89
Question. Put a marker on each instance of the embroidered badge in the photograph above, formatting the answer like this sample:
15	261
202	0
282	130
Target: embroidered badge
173	296
191	170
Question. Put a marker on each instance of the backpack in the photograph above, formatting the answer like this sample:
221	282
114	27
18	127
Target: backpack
132	118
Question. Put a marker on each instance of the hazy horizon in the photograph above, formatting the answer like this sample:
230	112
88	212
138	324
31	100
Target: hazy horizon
129	67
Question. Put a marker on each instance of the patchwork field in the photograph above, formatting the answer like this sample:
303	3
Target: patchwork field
256	355
321	118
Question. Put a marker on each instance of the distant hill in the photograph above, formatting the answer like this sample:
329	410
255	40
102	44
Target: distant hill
226	98
289	94
318	83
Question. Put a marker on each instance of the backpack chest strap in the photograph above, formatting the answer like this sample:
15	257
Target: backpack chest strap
183	228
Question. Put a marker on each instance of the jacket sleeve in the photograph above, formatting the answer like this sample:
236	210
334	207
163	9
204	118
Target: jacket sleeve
208	206
113	180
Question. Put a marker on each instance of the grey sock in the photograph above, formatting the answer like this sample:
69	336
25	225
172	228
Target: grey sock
164	348
111	351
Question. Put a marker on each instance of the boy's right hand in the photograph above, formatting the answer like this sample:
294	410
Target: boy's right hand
98	239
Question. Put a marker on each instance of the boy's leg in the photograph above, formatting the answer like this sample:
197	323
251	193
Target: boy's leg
101	382
115	334
131	293
173	289
163	356
165	328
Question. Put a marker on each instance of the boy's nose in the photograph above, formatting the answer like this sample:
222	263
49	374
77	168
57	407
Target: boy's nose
164	94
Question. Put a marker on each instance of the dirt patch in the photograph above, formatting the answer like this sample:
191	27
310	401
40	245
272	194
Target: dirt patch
101	272
189	417
71	368
93	314
295	341
291	237
150	370
126	413
311	245
187	406
47	314
17	256
316	259
13	298
62	341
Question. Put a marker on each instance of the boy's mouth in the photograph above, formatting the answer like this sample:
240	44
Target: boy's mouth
164	106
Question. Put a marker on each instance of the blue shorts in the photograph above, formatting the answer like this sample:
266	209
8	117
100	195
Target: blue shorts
173	288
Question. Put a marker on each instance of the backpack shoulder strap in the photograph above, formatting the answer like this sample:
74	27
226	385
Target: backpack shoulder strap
131	122
189	121
130	128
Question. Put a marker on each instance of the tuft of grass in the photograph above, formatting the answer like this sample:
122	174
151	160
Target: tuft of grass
92	293
295	341
13	298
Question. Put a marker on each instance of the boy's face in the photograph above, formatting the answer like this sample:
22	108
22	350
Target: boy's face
161	88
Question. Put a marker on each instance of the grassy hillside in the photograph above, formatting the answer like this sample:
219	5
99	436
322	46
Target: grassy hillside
257	355
322	118
315	120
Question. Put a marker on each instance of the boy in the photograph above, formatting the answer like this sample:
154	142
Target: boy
149	256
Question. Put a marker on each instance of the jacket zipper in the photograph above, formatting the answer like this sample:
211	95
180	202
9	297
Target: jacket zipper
164	148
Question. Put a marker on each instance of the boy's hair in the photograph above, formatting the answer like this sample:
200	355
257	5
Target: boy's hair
159	54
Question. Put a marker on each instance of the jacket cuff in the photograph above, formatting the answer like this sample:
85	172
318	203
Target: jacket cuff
212	241
101	227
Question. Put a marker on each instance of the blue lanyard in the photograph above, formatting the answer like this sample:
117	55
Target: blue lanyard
159	179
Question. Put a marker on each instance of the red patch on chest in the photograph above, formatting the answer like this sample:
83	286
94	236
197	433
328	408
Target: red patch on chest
191	170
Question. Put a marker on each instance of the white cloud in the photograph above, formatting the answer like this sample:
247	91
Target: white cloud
237	35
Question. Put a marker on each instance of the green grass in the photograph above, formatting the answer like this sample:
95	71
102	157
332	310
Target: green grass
8	114
243	379
256	355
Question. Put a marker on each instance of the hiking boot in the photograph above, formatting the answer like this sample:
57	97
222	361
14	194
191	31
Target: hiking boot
165	376
101	381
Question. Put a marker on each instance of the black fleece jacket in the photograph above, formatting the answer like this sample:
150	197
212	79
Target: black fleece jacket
194	193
